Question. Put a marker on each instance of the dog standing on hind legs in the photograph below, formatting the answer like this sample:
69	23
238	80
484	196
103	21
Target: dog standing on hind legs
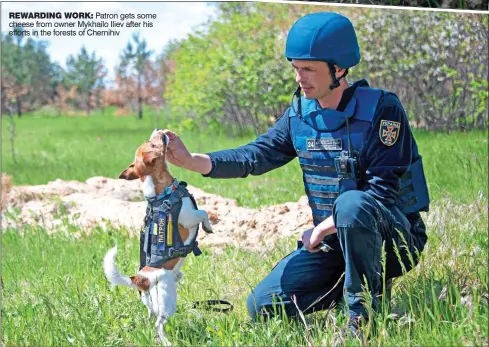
171	226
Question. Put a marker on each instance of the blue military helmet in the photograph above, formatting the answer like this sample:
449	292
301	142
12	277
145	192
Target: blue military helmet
323	36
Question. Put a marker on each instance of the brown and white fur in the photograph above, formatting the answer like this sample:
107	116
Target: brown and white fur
157	285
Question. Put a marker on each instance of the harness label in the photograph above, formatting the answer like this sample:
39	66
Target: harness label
324	144
161	230
389	132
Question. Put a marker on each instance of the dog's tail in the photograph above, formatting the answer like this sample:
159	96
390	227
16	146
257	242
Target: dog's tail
112	273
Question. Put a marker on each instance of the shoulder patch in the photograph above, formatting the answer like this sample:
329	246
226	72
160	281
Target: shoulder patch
389	132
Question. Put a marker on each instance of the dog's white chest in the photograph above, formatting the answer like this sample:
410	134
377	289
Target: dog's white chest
149	189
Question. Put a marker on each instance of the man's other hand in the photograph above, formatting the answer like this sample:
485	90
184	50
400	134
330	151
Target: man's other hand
311	239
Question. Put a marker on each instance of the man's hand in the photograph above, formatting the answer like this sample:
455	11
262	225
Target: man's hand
311	239
176	153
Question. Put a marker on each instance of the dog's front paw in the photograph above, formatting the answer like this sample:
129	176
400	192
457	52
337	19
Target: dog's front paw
206	224
207	228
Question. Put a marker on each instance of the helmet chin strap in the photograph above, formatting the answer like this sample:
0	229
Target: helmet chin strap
334	85
297	94
336	81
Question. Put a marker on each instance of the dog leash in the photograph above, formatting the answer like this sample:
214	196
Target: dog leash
209	304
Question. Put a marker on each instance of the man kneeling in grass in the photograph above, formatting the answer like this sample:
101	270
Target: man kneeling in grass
361	169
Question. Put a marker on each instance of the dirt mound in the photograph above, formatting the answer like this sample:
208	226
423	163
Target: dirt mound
103	201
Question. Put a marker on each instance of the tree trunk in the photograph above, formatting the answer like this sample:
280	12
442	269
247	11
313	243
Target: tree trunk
18	103
140	99
87	109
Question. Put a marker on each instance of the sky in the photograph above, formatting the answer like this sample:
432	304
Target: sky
175	20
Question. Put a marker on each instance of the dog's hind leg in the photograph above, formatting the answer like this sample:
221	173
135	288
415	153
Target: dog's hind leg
164	297
160	328
146	299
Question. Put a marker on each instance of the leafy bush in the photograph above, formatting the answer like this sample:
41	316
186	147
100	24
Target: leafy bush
233	72
436	62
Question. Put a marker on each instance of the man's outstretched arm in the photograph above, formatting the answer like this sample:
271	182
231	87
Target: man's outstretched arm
269	151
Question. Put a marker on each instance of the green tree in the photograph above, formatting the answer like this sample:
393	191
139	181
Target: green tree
135	60
234	72
26	72
85	72
436	62
14	68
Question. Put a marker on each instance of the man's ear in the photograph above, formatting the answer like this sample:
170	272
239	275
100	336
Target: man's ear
339	71
149	157
129	173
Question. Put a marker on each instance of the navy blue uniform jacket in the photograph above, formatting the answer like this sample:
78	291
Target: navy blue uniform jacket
384	165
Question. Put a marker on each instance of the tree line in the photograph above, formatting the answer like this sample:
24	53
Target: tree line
231	73
31	80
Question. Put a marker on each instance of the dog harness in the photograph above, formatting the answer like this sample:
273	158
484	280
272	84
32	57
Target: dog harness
160	241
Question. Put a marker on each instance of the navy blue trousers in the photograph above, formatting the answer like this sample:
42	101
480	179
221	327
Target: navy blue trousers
362	225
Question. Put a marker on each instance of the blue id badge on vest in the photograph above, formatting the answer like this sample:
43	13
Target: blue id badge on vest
161	230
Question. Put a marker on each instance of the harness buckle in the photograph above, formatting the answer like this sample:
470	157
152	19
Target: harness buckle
177	253
166	204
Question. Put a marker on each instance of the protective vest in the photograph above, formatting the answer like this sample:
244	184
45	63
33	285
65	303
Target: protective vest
161	241
329	145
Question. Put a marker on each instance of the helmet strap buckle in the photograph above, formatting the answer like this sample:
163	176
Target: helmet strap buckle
336	80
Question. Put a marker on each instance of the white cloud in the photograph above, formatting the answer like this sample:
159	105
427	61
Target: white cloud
174	21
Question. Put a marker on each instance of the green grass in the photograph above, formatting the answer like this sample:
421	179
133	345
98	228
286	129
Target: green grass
77	148
54	291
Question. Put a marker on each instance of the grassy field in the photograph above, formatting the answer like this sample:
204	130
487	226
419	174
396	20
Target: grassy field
76	148
54	291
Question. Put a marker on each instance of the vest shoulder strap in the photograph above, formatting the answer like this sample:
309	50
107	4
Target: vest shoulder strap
290	112
368	99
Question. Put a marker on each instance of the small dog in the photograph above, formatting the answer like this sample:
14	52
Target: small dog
157	284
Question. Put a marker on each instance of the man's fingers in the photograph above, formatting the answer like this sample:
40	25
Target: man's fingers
310	248
171	135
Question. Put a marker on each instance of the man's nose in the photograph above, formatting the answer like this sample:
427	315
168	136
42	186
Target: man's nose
298	77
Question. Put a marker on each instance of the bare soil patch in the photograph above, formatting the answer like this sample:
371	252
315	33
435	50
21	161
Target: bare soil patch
102	201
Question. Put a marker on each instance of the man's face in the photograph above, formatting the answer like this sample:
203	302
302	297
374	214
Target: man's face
313	77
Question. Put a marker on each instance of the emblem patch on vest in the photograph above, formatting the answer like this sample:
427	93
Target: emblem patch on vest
389	132
324	145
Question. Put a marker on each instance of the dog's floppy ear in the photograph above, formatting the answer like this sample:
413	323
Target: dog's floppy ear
149	157
129	173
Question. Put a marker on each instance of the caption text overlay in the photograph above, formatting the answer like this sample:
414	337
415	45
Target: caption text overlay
48	24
